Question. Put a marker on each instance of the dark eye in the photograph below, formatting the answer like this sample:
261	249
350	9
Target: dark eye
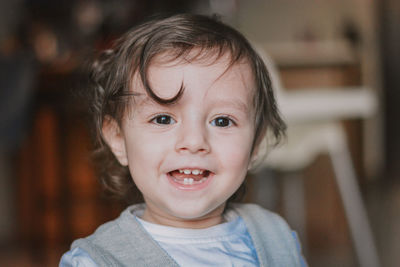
163	119
221	122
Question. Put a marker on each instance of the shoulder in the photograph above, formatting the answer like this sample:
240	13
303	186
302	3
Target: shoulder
109	239
262	221
254	213
111	230
271	235
123	241
107	231
77	257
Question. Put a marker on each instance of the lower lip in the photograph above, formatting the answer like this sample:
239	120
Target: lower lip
190	187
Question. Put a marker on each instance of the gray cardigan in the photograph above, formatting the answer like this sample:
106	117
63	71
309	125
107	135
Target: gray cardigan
124	242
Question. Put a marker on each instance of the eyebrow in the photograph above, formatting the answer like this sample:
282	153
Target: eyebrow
148	101
235	103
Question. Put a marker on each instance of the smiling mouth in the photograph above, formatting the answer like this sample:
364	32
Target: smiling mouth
189	176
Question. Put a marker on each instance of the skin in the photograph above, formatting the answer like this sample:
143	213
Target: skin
211	127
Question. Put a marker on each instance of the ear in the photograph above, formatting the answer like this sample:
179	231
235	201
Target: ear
115	139
257	144
253	159
257	153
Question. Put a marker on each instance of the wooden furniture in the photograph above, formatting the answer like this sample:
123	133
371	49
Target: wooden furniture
323	93
59	198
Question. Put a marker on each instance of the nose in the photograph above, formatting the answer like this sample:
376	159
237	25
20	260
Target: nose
193	138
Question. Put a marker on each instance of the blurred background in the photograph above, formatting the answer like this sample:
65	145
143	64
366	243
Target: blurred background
337	63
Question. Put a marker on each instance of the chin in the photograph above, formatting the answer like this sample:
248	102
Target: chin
191	213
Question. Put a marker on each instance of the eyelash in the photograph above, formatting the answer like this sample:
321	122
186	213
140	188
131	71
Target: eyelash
168	117
231	122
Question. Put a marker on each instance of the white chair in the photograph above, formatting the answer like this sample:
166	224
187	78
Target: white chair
314	127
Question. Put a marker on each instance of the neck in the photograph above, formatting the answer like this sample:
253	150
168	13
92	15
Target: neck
213	218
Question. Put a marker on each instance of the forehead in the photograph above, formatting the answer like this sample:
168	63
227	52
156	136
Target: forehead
205	71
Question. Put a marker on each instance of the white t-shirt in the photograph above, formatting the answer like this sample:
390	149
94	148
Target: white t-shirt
225	244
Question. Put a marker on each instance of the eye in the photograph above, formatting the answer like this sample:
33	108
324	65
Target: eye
163	119
222	122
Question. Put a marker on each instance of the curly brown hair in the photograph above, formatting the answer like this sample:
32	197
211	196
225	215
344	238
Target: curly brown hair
131	55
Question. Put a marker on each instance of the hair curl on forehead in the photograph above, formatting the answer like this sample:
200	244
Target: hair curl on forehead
185	36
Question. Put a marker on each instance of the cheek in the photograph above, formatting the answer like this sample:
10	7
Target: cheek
145	149
235	151
144	159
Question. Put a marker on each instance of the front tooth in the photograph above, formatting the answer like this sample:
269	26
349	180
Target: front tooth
187	171
201	171
180	171
188	181
195	172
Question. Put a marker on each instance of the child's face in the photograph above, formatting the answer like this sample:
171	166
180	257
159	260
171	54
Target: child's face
207	135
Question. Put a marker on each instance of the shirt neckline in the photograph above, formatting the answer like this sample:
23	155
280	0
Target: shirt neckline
234	224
